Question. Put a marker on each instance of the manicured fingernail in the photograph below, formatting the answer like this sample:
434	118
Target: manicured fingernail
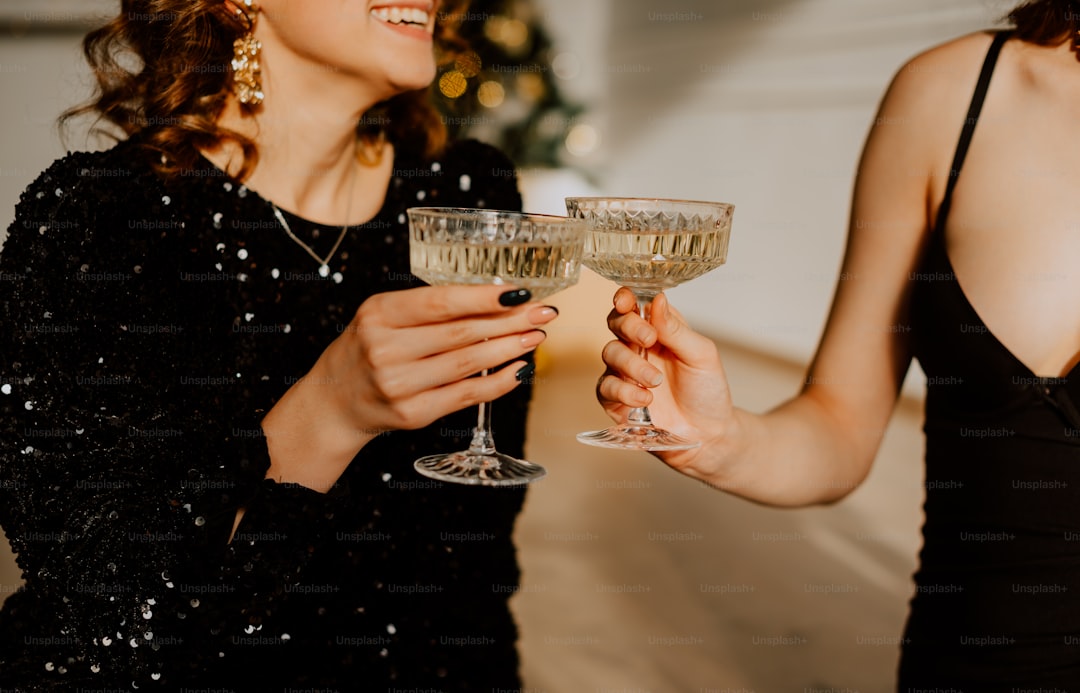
515	297
543	314
655	379
533	338
525	372
644	335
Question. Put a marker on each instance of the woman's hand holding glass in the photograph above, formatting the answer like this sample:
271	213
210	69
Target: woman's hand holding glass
404	361
682	383
648	245
455	245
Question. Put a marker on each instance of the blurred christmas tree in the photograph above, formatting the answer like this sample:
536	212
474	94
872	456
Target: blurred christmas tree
505	90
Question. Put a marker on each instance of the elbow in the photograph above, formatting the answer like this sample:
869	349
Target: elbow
844	485
834	496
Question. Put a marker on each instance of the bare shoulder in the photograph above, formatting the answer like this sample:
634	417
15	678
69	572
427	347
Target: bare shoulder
940	77
923	111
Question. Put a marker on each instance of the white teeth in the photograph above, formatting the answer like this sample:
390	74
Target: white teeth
401	15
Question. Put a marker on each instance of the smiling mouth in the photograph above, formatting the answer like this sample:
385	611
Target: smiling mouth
403	16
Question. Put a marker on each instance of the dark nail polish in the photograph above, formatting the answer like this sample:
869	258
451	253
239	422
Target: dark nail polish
525	372
515	297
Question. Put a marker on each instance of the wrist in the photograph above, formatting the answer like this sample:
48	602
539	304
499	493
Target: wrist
309	439
722	454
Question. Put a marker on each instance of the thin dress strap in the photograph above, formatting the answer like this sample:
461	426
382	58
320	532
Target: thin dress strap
970	122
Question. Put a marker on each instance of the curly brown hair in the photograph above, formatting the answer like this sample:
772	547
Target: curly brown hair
164	70
1045	22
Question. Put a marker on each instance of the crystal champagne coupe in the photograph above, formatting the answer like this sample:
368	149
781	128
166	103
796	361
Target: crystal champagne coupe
541	253
649	245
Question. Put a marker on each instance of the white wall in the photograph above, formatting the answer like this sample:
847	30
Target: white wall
761	103
42	73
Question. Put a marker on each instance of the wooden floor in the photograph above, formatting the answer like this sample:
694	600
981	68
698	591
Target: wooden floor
639	580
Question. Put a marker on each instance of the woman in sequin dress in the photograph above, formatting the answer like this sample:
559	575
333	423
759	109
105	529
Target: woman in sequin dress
216	370
964	254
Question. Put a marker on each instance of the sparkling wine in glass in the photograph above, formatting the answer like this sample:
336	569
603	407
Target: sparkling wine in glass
452	245
649	245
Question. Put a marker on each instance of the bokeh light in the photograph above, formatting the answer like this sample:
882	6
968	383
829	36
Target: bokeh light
530	86
582	140
512	33
468	64
491	94
453	84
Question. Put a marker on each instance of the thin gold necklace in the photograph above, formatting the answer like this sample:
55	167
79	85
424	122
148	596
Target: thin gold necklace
324	266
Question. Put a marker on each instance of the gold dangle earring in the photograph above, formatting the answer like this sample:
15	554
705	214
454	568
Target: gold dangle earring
247	73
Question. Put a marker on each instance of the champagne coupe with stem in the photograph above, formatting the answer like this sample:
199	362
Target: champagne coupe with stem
649	245
453	245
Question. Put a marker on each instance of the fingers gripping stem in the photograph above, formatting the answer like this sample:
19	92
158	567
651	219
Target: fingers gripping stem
639	416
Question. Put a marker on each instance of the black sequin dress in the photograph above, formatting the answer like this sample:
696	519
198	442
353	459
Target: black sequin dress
148	325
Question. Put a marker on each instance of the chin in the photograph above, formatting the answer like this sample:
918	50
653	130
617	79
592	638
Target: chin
421	79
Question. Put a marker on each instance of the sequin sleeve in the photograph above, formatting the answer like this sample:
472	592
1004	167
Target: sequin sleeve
119	529
85	506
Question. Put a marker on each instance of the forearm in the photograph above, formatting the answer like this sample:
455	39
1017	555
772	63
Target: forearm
794	455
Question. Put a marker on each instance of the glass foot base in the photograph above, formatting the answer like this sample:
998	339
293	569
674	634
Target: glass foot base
629	437
474	469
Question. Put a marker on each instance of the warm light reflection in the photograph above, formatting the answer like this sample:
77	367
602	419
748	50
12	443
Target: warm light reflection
468	64
531	86
515	33
491	94
512	33
453	84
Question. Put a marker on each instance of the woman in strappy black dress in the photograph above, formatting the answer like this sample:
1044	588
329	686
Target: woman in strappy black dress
963	253
216	369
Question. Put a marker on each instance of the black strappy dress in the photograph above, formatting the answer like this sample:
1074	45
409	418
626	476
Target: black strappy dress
997	602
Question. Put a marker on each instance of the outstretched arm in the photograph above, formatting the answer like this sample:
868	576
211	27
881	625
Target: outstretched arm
819	445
